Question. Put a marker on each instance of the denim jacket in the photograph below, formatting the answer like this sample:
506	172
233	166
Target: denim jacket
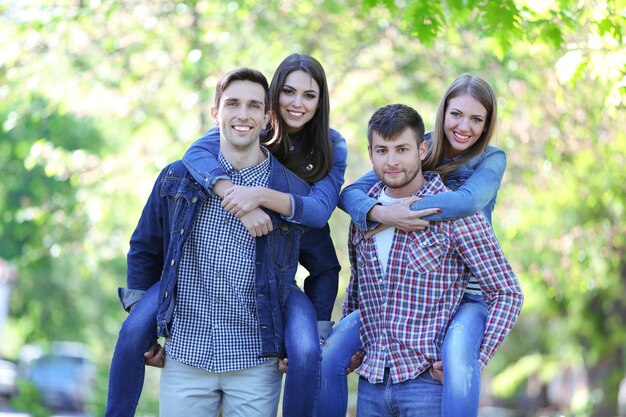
312	210
167	219
475	187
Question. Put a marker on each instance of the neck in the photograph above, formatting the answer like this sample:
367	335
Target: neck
240	158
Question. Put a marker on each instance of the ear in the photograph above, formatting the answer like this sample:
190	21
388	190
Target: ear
423	150
214	113
369	152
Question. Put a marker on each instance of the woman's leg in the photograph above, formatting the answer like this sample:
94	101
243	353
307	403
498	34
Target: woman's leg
127	372
318	256
461	370
337	350
302	345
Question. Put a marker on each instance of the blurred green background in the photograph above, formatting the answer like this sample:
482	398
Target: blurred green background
97	96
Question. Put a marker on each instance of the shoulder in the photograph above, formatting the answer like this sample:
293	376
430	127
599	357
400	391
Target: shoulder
491	154
337	139
338	142
175	169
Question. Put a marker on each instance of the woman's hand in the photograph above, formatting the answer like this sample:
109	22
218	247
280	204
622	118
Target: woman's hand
401	216
240	200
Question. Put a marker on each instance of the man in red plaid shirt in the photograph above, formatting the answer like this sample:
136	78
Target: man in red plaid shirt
407	285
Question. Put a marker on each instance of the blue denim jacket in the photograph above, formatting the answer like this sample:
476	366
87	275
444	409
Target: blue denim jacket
167	219
475	188
312	210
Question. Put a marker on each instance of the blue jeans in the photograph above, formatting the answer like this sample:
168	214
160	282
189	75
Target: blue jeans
419	397
127	372
461	390
138	333
337	350
302	345
318	256
461	369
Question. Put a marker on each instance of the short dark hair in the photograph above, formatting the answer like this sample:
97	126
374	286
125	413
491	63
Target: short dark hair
241	74
391	120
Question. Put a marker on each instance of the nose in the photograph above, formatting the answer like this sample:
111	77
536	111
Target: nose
464	124
297	100
243	112
392	159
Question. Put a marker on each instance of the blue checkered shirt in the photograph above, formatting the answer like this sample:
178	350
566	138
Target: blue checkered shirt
405	310
215	325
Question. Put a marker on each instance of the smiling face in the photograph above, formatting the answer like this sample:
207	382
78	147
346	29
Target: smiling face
298	101
464	123
241	115
397	162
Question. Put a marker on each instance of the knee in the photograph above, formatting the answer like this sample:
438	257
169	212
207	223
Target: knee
137	331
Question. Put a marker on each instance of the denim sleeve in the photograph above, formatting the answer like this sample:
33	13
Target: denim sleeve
201	160
355	201
315	209
475	195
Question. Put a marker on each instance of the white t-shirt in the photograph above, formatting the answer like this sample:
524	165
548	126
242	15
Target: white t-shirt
384	239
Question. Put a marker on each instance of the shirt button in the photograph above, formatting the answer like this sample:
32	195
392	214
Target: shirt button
424	243
182	231
173	262
165	295
383	348
374	259
380	280
193	200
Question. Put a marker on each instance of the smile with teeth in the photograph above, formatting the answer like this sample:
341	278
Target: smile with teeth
295	113
240	128
460	137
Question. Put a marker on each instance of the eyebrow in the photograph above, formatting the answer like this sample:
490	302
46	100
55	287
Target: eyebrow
454	108
306	91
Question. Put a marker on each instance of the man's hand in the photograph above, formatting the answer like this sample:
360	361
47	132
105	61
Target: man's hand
257	222
436	371
401	216
355	361
283	364
155	356
241	200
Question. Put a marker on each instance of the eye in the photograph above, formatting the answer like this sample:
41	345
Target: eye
288	91
478	120
455	114
257	106
311	96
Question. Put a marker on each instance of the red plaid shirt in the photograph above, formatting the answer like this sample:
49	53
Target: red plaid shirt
405	312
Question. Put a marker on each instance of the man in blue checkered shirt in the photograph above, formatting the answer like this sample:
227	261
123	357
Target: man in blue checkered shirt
407	285
221	289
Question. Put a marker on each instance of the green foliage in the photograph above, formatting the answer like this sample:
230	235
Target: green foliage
28	399
97	96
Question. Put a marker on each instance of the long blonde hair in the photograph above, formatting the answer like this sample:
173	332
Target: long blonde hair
481	91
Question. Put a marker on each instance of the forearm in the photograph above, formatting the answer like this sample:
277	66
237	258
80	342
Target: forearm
503	313
276	201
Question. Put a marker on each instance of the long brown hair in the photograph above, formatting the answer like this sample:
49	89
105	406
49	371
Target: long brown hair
315	150
439	146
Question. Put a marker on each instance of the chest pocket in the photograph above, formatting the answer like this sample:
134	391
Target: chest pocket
285	243
426	250
181	198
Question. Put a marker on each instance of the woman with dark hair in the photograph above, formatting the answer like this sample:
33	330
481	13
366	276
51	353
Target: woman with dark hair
473	170
299	135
